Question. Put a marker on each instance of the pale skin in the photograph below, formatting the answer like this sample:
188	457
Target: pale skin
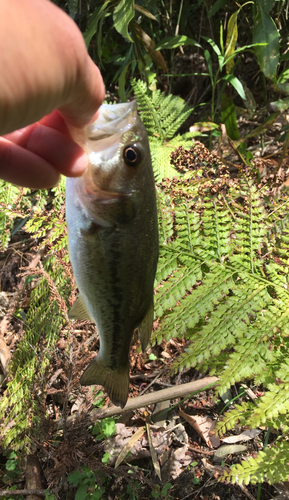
49	88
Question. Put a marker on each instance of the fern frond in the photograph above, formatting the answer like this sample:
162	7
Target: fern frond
161	115
270	465
275	401
10	196
22	400
225	288
161	155
238	415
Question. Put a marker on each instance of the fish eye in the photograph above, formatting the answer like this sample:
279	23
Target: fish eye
132	155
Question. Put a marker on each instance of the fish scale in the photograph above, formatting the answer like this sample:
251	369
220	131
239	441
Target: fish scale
113	242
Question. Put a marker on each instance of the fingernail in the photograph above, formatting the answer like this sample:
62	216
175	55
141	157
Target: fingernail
79	166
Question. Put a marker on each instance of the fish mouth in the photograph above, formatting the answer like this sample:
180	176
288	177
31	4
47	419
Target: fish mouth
107	208
102	196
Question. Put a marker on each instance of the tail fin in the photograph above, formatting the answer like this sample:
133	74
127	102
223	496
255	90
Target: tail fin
115	382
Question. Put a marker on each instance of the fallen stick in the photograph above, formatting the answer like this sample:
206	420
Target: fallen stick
177	391
33	477
11	493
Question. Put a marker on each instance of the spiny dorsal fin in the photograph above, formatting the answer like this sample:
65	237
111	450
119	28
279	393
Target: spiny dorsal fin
78	310
145	328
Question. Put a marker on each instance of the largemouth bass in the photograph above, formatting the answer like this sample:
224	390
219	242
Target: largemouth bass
113	242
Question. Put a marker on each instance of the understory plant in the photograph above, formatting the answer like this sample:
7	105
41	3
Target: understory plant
223	284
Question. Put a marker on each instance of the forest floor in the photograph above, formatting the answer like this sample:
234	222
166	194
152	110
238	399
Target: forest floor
189	460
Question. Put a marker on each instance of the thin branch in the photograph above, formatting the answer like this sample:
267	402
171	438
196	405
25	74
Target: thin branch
178	391
11	493
152	398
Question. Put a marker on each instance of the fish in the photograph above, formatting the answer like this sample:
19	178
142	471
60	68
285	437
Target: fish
111	214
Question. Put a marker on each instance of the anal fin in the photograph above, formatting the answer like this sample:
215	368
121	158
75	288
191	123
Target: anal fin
146	326
78	310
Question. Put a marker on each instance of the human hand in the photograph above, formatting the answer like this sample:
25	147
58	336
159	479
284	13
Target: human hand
50	86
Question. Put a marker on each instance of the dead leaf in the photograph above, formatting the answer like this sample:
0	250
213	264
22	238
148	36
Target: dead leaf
229	449
149	46
244	436
145	12
203	127
161	412
204	426
128	446
153	452
114	445
175	461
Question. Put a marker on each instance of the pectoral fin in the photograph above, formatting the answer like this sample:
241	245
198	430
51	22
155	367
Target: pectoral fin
146	326
78	310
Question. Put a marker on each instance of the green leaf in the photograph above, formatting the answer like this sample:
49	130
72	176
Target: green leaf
209	63
176	41
121	84
93	22
266	5
282	104
106	458
75	477
283	88
81	493
123	14
104	429
228	116
72	8
235	82
221	60
11	464
166	488
97	494
232	37
265	31
213	45
284	76
218	5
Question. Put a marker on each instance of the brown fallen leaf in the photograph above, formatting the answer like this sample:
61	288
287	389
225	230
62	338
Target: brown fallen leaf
229	449
128	446
204	426
244	436
153	452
